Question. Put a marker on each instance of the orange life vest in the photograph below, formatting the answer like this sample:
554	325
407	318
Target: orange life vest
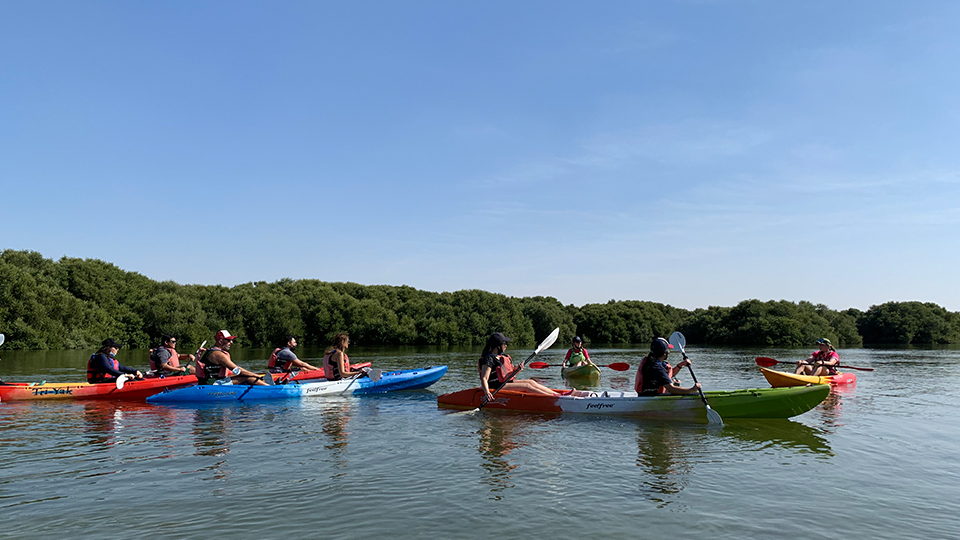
174	360
330	370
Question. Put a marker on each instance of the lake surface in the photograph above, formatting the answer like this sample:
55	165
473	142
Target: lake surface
879	460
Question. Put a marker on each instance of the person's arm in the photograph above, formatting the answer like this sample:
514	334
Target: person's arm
125	369
484	382
677	390
341	365
567	357
303	365
587	355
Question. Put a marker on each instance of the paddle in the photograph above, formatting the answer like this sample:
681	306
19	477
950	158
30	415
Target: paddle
766	361
678	341
373	374
616	366
2	339
266	377
121	380
545	344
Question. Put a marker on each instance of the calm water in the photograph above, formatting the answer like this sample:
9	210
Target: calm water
881	460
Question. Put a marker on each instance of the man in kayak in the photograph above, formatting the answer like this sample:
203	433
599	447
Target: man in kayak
215	364
284	359
166	359
656	377
576	355
103	365
822	362
496	369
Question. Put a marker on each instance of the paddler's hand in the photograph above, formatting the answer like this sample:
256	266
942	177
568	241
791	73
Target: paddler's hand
488	396
138	375
684	363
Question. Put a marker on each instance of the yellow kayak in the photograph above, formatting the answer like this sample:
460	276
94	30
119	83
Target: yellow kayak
780	379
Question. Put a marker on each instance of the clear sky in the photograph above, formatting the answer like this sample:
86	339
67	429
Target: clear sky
693	153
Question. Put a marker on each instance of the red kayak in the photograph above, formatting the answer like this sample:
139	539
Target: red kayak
133	390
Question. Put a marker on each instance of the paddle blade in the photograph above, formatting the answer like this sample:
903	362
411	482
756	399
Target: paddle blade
713	417
268	378
765	361
2	339
549	341
678	341
539	365
619	366
375	374
121	380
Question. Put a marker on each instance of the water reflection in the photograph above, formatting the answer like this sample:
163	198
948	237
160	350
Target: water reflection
100	421
336	416
661	453
498	437
767	433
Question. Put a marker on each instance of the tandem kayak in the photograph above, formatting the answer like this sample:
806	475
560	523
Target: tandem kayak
586	372
780	379
750	403
408	379
133	390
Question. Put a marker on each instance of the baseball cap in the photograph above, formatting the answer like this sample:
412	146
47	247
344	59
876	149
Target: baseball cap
225	334
499	338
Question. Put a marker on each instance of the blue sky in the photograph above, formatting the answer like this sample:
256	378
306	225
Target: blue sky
693	153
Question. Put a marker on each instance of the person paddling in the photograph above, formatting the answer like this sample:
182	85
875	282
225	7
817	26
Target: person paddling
576	355
166	359
215	364
336	364
656	377
496	367
284	359
822	362
103	365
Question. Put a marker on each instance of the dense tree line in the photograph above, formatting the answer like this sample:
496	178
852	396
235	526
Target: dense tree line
76	303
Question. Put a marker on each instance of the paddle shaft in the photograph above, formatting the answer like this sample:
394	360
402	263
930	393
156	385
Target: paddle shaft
766	361
616	366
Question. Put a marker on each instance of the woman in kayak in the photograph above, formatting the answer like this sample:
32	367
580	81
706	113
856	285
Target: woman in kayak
656	377
576	355
103	365
496	368
336	365
822	362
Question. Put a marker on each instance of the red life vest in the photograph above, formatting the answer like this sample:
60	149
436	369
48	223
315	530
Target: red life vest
331	371
174	360
94	376
504	370
272	363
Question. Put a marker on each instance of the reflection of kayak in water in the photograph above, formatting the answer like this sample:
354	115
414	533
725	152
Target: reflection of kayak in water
586	372
408	379
780	379
750	403
785	433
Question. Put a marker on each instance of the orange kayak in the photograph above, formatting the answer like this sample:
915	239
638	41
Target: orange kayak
780	379
133	390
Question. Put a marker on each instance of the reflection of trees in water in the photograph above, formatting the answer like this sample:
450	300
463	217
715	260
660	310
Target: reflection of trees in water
662	455
497	439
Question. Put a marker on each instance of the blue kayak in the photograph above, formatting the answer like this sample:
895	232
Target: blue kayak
407	379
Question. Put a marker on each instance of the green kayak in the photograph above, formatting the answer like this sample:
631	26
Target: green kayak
585	372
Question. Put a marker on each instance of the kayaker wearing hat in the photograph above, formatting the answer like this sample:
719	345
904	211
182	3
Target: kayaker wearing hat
496	367
655	375
822	362
576	355
215	364
103	365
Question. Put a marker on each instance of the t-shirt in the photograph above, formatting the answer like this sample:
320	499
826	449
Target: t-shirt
162	356
656	373
285	355
493	362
